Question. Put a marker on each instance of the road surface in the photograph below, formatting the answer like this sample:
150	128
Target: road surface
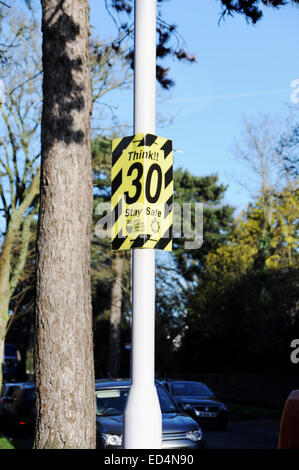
253	434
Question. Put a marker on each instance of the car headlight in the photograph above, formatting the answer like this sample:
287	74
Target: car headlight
194	435
112	439
187	407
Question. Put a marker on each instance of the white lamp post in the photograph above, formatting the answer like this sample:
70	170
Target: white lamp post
142	417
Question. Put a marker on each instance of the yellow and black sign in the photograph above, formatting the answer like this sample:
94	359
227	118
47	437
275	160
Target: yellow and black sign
142	192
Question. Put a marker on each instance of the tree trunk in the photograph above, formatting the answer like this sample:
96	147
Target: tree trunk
64	364
115	317
10	272
4	317
5	264
264	242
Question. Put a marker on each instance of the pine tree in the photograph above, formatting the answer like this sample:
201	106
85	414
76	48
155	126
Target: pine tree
64	363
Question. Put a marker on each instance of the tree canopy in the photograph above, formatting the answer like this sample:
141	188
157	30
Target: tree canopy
251	9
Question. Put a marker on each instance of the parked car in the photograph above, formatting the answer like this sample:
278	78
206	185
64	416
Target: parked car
18	406
198	401
6	391
11	362
179	430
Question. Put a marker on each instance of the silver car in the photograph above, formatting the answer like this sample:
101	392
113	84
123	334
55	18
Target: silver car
178	429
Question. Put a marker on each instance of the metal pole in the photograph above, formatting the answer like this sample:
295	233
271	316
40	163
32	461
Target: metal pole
142	417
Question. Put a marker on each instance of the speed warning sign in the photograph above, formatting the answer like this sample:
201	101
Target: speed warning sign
142	192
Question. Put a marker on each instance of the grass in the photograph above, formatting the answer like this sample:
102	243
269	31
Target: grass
5	443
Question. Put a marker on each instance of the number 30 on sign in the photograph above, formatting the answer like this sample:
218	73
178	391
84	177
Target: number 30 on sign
142	192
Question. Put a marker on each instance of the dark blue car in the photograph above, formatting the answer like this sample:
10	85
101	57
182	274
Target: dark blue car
178	429
198	401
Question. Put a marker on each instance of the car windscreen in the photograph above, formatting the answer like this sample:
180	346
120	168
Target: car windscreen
112	401
166	404
190	389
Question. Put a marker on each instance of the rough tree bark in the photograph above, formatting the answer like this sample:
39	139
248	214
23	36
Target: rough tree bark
64	364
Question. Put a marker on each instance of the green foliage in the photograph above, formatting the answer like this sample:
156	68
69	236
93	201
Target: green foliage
5	443
180	272
102	265
101	261
217	219
170	289
243	314
248	243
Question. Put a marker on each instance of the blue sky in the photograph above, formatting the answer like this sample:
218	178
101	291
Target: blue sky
241	69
